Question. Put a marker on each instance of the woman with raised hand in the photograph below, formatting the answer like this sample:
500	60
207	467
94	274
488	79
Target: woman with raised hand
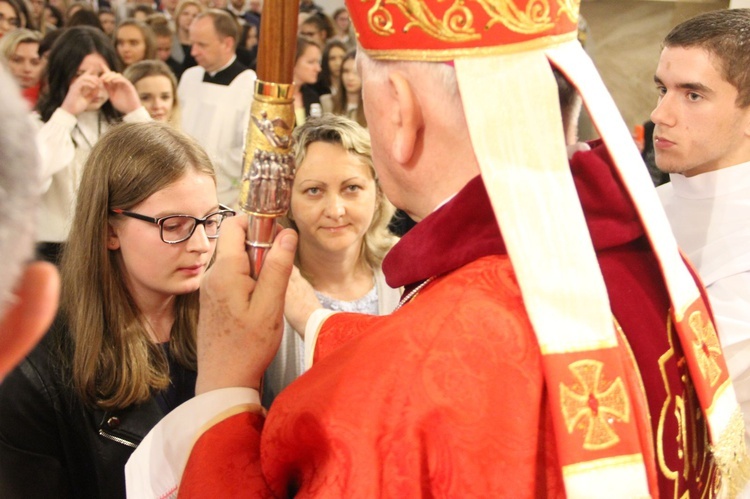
341	215
121	353
84	97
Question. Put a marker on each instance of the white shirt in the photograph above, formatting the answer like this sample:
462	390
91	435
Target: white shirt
65	142
710	218
217	117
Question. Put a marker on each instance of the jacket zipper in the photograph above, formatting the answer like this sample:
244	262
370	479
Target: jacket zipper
117	439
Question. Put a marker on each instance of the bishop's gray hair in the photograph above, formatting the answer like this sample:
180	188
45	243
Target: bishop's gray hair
19	186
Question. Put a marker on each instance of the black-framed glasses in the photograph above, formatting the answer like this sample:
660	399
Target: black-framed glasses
174	229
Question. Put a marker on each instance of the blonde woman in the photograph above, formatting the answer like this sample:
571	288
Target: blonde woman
121	353
157	88
19	50
341	215
186	11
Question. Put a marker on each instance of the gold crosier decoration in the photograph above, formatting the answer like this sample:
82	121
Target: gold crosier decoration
456	25
593	404
706	347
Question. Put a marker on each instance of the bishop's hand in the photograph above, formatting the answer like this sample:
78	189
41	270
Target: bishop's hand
241	320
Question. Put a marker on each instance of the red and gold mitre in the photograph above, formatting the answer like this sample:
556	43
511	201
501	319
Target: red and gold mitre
503	52
440	30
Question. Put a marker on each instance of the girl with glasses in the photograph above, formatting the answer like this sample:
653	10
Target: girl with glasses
121	353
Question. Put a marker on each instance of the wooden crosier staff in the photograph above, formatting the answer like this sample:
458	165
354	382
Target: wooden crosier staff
268	162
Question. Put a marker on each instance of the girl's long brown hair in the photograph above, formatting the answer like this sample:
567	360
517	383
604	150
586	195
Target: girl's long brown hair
115	362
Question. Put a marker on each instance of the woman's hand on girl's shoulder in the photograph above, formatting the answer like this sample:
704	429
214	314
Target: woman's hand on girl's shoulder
300	302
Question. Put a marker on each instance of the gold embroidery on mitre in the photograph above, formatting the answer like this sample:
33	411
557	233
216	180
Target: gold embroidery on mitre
534	19
706	347
569	8
457	22
594	404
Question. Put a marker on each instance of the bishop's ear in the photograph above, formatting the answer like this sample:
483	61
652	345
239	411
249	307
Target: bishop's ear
29	315
406	116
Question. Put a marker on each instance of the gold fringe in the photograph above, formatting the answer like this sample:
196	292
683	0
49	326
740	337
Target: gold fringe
731	457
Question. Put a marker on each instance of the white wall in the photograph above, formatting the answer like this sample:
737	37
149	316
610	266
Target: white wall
329	6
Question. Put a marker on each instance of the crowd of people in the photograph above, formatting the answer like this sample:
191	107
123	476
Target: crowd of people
153	47
536	334
140	116
144	31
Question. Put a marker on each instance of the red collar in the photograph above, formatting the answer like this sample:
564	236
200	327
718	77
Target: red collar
464	229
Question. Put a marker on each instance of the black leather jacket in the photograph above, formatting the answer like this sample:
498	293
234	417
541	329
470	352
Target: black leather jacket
50	444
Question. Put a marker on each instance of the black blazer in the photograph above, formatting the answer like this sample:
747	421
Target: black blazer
51	445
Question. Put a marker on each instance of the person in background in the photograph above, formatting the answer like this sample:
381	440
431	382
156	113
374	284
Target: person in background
46	45
343	28
36	14
317	27
75	7
157	89
348	102
164	36
141	12
27	19
108	21
84	17
187	10
330	74
135	42
247	48
121	353
306	71
341	215
20	51
10	16
53	17
702	139
309	7
61	5
255	7
238	8
168	8
215	97
84	97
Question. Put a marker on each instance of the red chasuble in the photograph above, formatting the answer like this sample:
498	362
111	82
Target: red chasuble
446	396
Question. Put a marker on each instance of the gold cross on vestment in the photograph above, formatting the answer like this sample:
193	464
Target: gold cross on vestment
592	404
706	347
